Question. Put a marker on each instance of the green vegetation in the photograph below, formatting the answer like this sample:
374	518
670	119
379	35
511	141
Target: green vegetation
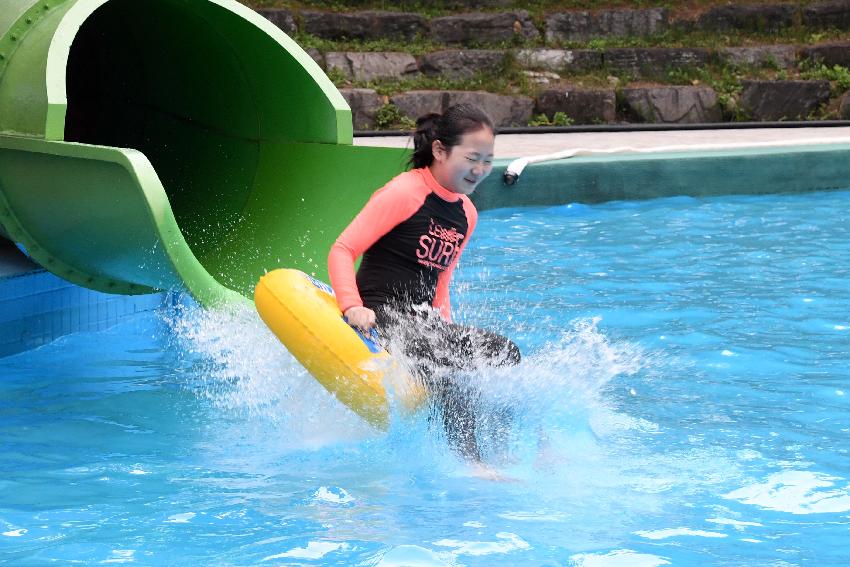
558	119
390	117
838	76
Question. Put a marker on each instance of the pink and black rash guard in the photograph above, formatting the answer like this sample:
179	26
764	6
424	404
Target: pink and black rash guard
411	234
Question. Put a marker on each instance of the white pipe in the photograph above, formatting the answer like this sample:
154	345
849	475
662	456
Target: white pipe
516	167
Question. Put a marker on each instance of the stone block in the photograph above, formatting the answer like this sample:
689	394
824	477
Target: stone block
483	28
748	17
673	105
503	110
316	56
369	66
582	25
584	106
282	18
364	105
828	14
782	100
560	60
844	107
462	64
414	104
363	25
654	61
780	56
828	53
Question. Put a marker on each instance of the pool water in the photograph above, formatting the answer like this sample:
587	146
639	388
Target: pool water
684	399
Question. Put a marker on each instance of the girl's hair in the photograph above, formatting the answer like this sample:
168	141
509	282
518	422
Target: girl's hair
448	128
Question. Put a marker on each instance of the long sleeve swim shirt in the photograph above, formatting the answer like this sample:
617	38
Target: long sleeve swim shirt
411	234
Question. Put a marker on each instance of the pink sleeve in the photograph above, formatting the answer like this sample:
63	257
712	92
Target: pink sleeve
442	299
389	206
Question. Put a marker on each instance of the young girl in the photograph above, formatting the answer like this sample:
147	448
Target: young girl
411	235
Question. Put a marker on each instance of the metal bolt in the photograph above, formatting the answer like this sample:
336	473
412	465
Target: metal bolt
14	38
29	20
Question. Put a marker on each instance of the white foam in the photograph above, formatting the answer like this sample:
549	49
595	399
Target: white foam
333	495
412	556
15	533
539	516
677	532
734	523
507	543
796	492
122	556
184	518
314	550
617	558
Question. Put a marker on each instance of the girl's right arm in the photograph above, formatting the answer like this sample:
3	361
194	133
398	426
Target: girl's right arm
389	206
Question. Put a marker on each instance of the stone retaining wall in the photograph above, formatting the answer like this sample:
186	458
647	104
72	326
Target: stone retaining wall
637	63
623	101
574	25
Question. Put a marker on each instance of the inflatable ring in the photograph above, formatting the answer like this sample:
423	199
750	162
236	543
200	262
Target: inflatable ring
302	312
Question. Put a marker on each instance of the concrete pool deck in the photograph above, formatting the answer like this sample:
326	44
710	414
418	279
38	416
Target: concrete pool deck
525	145
662	163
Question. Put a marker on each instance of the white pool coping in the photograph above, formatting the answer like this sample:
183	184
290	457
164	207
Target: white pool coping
526	145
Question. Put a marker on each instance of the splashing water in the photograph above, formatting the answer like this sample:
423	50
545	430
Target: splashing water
537	418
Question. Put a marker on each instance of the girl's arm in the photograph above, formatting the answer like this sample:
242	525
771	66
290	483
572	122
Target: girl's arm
389	206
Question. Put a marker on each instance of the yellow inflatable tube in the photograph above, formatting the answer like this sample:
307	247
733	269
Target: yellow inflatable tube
302	312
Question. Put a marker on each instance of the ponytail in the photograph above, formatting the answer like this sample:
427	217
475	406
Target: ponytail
447	128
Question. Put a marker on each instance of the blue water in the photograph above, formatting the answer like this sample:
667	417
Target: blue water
683	400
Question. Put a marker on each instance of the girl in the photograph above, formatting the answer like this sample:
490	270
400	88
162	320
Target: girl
411	235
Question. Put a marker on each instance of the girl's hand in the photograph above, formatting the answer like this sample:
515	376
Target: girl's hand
361	317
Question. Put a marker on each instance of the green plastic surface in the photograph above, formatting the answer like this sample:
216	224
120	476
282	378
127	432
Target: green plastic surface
172	143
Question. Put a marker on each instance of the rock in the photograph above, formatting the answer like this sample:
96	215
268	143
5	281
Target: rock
541	77
673	105
281	18
560	60
503	110
654	61
748	17
363	25
478	28
368	66
844	107
577	26
828	53
829	14
782	100
779	56
364	105
462	64
583	106
414	104
316	55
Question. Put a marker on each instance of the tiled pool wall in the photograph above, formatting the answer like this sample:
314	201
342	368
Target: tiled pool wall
37	307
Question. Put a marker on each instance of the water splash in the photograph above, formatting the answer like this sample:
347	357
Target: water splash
232	360
526	414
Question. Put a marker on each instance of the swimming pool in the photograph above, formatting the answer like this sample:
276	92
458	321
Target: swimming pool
683	400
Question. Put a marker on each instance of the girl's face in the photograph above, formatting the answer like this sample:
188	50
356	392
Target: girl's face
462	167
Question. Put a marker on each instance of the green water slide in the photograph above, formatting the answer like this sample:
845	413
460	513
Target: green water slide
159	144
